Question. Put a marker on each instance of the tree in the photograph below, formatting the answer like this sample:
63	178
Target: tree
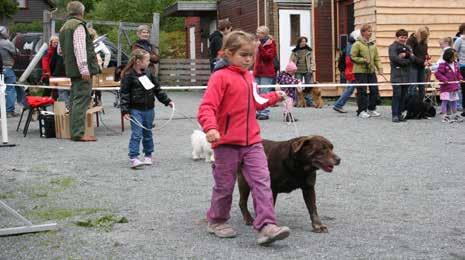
8	8
89	4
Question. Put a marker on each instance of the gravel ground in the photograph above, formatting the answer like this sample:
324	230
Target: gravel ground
398	193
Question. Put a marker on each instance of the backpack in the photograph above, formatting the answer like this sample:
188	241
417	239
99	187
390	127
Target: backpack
341	62
349	69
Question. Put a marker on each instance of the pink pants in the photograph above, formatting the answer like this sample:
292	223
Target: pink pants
252	159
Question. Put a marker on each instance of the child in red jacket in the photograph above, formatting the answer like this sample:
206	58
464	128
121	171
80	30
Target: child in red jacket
227	115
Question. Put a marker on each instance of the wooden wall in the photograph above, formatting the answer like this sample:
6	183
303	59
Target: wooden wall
33	12
387	16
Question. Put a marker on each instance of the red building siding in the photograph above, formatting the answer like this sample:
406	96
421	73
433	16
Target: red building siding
323	41
241	13
193	22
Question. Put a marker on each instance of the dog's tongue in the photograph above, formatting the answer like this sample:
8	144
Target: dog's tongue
328	168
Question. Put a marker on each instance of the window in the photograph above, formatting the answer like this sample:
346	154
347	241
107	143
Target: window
295	28
22	4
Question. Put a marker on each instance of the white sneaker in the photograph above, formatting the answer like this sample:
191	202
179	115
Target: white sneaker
147	160
363	114
374	113
135	163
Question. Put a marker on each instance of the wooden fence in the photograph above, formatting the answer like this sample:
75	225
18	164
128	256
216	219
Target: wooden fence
184	72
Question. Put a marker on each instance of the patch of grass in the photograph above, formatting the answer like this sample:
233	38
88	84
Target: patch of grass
7	195
56	185
39	168
105	222
62	183
60	213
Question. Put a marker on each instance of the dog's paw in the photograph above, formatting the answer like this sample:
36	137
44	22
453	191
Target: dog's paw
248	221
319	228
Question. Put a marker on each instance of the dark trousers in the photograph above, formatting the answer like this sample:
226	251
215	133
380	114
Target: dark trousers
417	75
80	98
399	93
365	101
462	86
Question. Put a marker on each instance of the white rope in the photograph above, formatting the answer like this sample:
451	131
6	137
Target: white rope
139	124
319	85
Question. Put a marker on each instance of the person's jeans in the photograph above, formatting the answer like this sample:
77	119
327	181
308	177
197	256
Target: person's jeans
417	75
10	78
342	100
306	78
399	93
264	81
252	160
144	117
363	101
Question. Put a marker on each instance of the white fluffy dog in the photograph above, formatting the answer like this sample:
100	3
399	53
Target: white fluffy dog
201	148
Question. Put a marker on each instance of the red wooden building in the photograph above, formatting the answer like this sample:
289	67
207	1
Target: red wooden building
326	23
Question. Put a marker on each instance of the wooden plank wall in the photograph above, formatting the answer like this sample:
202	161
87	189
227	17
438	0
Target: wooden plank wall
387	16
184	72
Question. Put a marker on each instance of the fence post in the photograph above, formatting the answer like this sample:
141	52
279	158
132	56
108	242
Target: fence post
155	37
118	61
47	31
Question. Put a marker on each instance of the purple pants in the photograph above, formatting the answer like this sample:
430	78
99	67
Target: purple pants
252	159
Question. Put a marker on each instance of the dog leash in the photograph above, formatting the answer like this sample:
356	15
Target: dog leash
139	124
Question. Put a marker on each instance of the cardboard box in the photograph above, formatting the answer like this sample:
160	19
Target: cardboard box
105	79
62	128
62	82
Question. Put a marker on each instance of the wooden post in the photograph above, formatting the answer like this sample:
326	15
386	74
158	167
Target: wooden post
47	32
118	60
155	36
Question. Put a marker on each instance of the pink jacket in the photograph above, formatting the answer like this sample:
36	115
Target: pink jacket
446	74
229	107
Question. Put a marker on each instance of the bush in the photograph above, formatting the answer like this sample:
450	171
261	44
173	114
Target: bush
35	26
172	45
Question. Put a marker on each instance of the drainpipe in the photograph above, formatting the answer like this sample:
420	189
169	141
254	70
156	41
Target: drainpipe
265	11
258	13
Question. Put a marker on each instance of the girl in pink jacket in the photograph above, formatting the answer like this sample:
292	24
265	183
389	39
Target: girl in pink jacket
227	116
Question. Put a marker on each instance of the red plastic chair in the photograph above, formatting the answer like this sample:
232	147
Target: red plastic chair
34	104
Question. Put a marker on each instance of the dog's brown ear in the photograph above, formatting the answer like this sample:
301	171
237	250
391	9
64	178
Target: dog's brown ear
297	144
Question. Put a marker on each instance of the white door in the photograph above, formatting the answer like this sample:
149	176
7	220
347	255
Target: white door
292	25
192	43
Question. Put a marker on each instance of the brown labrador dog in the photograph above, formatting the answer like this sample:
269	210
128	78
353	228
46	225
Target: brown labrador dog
316	97
293	165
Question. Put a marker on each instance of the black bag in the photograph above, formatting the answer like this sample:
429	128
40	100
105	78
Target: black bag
341	62
47	125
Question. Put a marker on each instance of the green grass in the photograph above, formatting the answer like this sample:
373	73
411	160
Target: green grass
7	195
105	222
61	213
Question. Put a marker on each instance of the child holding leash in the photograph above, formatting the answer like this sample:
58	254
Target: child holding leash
287	77
227	116
138	92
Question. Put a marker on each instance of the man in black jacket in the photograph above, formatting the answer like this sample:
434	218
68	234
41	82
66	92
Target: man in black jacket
401	58
216	40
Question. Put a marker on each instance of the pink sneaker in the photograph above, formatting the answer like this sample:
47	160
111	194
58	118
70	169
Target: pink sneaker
147	160
271	233
222	230
135	163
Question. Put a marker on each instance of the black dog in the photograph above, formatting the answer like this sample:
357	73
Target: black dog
293	165
419	109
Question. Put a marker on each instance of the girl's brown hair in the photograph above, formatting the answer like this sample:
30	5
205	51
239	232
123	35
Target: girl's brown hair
137	54
235	40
